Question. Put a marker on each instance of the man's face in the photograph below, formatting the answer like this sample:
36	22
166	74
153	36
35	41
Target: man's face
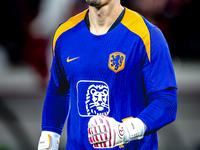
97	3
94	2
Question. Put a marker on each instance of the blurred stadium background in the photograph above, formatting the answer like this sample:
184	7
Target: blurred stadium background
26	31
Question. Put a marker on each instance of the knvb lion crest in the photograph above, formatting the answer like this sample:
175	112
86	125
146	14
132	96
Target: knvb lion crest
117	61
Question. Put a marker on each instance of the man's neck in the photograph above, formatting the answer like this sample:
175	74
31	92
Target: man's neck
101	19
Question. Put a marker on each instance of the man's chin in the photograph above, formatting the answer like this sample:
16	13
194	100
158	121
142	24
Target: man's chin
94	3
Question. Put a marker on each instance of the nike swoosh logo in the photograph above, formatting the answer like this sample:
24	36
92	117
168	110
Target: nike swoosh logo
69	60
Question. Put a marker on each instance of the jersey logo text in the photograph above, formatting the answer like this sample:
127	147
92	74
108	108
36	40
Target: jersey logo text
116	61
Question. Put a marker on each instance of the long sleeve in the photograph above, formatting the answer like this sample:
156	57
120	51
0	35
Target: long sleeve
161	110
56	104
160	84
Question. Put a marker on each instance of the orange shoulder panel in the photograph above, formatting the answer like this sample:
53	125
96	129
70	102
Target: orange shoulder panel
135	23
68	25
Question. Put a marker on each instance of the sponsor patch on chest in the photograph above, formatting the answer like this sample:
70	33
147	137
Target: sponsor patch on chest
92	98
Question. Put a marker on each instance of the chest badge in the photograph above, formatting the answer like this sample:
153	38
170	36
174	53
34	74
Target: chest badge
116	61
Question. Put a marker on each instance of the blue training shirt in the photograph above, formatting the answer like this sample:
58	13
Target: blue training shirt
110	74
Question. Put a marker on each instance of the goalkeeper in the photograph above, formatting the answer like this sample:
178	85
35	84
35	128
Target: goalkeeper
112	79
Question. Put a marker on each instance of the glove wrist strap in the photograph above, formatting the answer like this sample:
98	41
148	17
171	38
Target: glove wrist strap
49	139
135	128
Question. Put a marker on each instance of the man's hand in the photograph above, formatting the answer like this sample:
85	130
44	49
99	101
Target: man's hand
105	132
49	141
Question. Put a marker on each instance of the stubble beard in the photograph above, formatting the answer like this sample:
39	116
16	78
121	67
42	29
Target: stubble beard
94	3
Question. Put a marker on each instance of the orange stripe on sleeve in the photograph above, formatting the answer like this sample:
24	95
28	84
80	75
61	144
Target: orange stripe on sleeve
135	23
68	25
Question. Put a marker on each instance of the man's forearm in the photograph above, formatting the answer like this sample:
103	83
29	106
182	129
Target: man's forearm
55	109
161	111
